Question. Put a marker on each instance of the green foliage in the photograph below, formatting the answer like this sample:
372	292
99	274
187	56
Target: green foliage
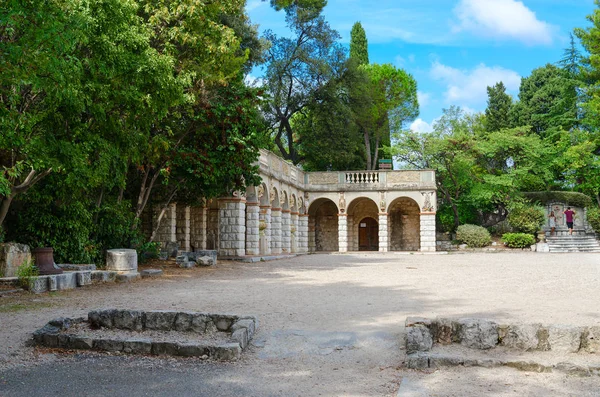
593	218
359	46
573	199
518	240
147	251
497	113
27	273
526	218
474	236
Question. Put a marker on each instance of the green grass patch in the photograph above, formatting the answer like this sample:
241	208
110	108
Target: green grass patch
23	306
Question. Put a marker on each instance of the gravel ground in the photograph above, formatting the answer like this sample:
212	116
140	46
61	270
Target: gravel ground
329	325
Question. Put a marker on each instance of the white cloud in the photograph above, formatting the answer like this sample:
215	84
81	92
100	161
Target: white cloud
424	98
469	87
502	19
421	126
253	81
254	4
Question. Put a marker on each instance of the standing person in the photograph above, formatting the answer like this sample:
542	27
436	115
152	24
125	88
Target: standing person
569	217
552	222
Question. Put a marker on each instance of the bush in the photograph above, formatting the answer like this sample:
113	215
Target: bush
27	273
473	235
147	251
573	199
518	240
593	218
526	218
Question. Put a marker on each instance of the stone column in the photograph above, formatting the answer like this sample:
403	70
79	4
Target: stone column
343	232
203	226
232	226
312	247
427	231
276	230
303	233
286	235
351	237
252	234
294	232
383	232
186	228
265	234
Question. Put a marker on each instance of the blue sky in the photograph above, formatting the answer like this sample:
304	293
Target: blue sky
453	48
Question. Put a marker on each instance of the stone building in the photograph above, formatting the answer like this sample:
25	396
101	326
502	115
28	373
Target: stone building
293	211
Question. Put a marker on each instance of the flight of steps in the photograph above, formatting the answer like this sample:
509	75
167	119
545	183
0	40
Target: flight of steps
578	242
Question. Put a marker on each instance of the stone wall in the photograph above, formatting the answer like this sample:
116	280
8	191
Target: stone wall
326	228
363	209
12	256
183	227
404	226
167	231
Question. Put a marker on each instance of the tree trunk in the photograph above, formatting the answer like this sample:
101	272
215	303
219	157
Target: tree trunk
367	148
4	207
376	156
32	178
162	214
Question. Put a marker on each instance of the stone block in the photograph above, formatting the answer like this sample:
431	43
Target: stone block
528	366
186	265
200	322
37	285
13	255
137	346
223	322
227	352
127	277
151	273
67	280
52	283
39	336
417	361
84	278
101	318
573	369
165	348
477	333
181	259
172	248
74	267
108	345
183	322
521	337
590	340
192	349
160	320
121	260
128	319
81	342
418	339
440	361
564	339
241	336
205	261
543	335
102	276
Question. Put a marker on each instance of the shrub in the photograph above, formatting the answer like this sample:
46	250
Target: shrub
526	218
27	273
147	251
518	240
593	218
473	235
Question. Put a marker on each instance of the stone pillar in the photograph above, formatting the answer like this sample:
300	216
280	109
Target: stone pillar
173	222
294	232
343	232
351	237
383	232
312	246
252	234
286	228
303	233
265	234
232	226
203	227
212	229
183	228
427	231
276	230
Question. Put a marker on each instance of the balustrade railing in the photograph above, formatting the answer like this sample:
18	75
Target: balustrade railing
362	177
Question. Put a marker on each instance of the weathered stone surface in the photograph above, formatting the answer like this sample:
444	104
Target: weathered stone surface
521	336
38	335
590	340
564	339
528	366
81	342
181	259
127	277
439	361
410	321
13	255
165	348
227	352
200	322
52	283
443	331
74	267
160	320
186	265
50	339
102	276
183	322
84	278
241	336
121	260
137	346
489	363
542	336
204	253
417	361
477	333
151	273
247	324
205	261
108	345
573	369
128	319
223	323
192	349
418	339
67	280
172	248
101	318
61	322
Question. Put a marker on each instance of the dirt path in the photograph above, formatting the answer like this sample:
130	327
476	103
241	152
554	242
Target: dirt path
329	325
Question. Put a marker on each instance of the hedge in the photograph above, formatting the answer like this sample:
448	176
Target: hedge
518	240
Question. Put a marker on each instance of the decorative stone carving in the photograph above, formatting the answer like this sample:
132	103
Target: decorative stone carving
382	203
342	203
292	201
282	199
427	206
405	176
260	191
272	193
323	178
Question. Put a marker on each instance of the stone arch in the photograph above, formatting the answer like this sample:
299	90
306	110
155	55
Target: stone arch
323	225
251	194
293	203
404	224
263	194
274	197
284	200
212	225
360	228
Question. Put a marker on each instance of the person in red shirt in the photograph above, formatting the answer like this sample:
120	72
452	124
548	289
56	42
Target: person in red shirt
569	218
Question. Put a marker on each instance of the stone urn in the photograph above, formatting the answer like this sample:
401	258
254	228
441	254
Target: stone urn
44	261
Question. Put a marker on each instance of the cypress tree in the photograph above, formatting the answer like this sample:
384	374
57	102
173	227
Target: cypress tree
359	47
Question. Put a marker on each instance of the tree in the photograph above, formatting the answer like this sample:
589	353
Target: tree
383	102
572	58
497	113
297	68
359	47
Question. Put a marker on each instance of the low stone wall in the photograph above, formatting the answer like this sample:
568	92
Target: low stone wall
239	330
69	280
423	334
197	258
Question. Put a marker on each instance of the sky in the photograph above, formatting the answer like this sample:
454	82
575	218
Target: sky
453	48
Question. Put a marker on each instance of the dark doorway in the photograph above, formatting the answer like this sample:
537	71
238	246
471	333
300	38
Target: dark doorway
368	235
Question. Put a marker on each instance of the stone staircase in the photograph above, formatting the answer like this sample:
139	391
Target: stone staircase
578	242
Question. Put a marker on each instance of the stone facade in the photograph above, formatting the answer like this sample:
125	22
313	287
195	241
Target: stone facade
404	221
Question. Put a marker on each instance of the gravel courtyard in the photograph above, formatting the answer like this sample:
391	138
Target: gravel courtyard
329	325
